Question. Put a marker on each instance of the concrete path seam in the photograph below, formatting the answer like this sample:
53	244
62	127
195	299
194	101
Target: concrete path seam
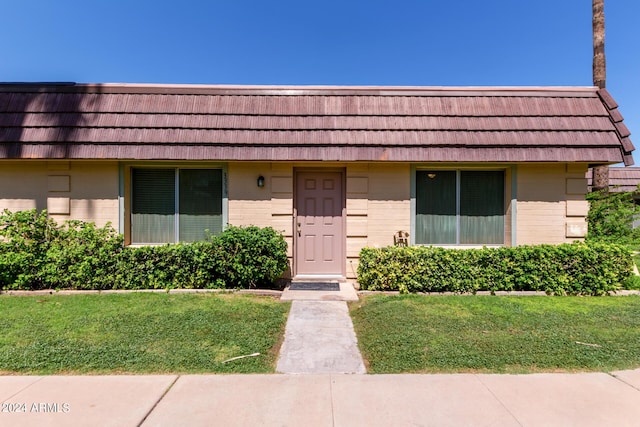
333	410
159	400
623	381
23	389
499	401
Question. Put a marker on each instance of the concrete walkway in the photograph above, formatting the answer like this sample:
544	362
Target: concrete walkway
319	339
319	336
593	399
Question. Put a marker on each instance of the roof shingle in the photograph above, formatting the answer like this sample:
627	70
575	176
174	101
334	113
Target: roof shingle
311	123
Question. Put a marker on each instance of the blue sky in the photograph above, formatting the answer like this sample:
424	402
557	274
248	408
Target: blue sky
329	42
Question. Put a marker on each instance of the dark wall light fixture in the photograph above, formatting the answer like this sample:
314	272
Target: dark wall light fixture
261	181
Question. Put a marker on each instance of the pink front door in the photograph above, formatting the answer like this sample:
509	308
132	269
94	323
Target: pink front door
319	224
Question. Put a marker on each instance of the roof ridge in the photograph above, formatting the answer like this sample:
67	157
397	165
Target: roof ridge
381	90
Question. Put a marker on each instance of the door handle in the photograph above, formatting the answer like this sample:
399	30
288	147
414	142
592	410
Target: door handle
299	229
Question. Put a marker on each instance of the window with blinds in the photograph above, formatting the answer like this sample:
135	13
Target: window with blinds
459	207
171	204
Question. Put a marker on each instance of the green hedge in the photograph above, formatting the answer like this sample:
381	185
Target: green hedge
575	269
36	253
240	257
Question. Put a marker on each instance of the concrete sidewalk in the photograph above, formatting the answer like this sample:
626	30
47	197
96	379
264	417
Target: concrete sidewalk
591	399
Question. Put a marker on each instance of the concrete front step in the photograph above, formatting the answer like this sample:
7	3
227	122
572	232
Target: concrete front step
346	293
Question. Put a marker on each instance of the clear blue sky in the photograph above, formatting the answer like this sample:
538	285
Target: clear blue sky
332	42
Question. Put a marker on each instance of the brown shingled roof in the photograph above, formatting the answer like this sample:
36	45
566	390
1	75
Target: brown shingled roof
197	122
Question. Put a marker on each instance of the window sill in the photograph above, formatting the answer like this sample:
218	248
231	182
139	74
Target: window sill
493	246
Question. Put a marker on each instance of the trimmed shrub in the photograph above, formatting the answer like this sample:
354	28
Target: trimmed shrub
82	256
36	253
240	257
575	269
250	256
167	267
25	238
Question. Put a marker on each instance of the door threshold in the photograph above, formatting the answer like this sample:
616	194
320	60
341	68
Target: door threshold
319	278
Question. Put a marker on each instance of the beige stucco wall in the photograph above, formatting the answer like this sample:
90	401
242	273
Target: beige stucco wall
23	185
86	191
551	206
271	205
248	203
378	206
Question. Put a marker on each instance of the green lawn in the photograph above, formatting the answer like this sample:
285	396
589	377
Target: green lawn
497	334
139	333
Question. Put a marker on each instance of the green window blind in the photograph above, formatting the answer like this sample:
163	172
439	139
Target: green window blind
481	207
157	214
200	204
436	207
153	205
459	207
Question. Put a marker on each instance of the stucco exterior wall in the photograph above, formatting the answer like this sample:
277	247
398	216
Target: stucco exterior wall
23	185
551	205
248	203
378	206
86	191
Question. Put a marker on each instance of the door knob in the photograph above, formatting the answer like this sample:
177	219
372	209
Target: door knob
299	229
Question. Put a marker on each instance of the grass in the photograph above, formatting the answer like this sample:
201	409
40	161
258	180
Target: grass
421	334
139	333
147	333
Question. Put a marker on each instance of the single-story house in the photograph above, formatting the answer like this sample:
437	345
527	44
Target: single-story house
334	168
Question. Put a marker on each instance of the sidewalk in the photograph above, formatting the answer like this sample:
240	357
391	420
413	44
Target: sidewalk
591	399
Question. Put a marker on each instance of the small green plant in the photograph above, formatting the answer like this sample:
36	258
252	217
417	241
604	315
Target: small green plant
611	216
632	283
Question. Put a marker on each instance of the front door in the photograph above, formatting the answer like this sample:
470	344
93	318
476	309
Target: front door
319	224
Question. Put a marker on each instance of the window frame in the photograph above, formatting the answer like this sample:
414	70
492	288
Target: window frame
126	194
509	202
